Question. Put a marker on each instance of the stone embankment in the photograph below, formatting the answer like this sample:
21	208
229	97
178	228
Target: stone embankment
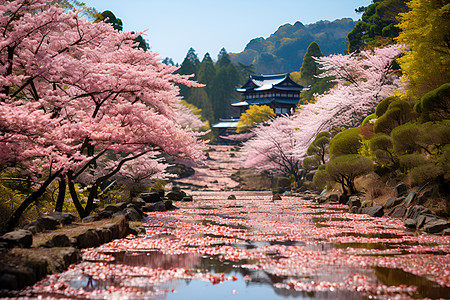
405	205
53	242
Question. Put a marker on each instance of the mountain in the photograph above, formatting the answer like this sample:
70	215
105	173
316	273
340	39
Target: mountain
283	51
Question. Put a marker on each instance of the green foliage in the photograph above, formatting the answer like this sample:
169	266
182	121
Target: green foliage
159	185
346	168
309	67
425	29
345	142
377	25
410	161
283	182
425	173
367	119
398	112
253	116
404	138
320	178
317	151
199	98
435	105
108	17
382	107
311	162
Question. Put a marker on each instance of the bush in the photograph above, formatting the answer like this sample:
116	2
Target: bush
320	178
367	119
311	162
283	182
424	173
435	105
382	107
404	138
410	161
399	112
346	142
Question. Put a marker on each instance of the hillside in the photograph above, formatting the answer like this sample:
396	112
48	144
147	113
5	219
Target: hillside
283	51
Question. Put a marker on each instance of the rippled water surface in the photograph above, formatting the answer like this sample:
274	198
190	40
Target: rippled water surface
253	248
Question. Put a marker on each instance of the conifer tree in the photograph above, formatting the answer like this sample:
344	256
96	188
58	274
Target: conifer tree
189	66
310	67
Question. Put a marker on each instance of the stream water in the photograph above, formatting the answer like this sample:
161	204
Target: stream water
253	248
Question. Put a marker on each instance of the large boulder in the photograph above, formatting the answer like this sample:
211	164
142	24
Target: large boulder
116	207
376	211
415	211
393	201
354	201
159	206
401	189
398	212
59	240
63	217
436	226
410	198
131	214
88	239
18	238
48	222
152	197
176	196
333	198
425	219
410	223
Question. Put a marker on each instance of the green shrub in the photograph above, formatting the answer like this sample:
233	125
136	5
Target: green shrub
424	173
410	161
283	182
382	107
346	142
159	185
399	112
435	105
320	178
311	162
367	119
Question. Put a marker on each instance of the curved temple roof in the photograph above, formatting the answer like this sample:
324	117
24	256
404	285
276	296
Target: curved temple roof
268	82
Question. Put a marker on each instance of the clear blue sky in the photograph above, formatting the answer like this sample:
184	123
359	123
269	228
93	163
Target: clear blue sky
173	26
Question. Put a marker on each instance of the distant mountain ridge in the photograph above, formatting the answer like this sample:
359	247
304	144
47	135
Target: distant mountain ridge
283	50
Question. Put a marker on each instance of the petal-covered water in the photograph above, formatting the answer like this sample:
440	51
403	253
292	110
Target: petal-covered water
253	248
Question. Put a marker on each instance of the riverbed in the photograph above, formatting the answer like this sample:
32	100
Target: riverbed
256	248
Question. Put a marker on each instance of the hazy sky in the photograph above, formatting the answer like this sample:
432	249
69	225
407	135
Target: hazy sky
173	26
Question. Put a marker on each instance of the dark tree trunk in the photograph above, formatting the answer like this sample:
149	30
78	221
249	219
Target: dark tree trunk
61	194
14	219
75	200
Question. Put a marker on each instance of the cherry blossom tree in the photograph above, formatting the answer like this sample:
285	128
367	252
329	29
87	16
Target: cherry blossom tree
272	148
72	91
363	80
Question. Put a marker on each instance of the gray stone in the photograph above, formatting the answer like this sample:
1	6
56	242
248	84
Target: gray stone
151	197
140	202
414	211
436	226
401	189
159	206
321	199
410	198
423	198
34	227
376	211
169	205
333	198
88	239
131	214
105	214
187	199
410	223
307	197
343	199
48	222
116	207
446	232
104	235
425	219
18	238
394	201
63	217
176	196
114	229
91	218
398	212
59	240
136	228
354	201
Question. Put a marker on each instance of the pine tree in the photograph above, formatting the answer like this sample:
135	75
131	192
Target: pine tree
310	67
188	67
206	73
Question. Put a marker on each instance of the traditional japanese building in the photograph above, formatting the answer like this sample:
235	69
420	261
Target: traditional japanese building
278	92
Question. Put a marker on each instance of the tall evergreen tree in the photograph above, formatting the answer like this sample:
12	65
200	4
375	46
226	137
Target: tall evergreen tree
310	67
200	99
188	67
223	91
207	73
223	59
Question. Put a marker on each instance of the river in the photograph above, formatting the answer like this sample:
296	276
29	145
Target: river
254	248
